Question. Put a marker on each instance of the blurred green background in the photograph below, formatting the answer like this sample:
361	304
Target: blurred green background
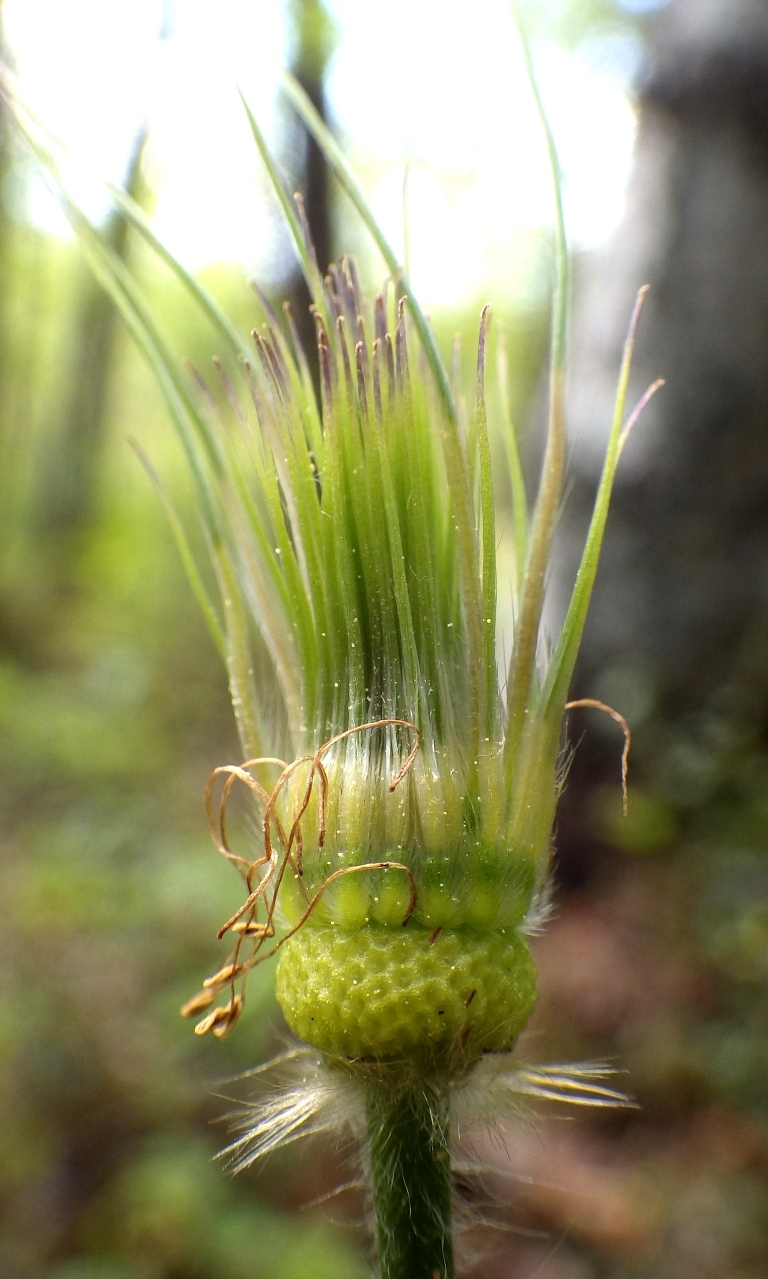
114	710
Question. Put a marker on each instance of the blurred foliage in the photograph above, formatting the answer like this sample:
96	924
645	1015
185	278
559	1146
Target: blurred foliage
113	710
566	22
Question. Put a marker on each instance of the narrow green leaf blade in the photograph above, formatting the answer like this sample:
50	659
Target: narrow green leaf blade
564	659
221	322
185	551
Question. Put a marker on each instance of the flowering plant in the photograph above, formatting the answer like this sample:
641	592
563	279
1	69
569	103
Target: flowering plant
406	789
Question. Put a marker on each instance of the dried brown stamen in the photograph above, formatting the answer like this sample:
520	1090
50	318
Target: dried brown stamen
608	710
244	922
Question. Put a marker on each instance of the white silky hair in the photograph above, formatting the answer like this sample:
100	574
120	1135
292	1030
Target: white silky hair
301	1095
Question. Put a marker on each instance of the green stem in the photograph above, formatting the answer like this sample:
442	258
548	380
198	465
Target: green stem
409	1132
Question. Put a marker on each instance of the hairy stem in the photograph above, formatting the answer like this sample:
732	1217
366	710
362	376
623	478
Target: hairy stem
408	1130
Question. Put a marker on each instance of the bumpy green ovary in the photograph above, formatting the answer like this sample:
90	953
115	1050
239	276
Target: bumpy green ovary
386	994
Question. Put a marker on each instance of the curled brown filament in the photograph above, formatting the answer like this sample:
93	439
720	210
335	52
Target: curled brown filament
274	862
591	703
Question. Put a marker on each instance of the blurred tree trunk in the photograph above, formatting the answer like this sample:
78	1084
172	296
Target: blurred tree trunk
5	166
314	37
678	626
69	469
313	46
